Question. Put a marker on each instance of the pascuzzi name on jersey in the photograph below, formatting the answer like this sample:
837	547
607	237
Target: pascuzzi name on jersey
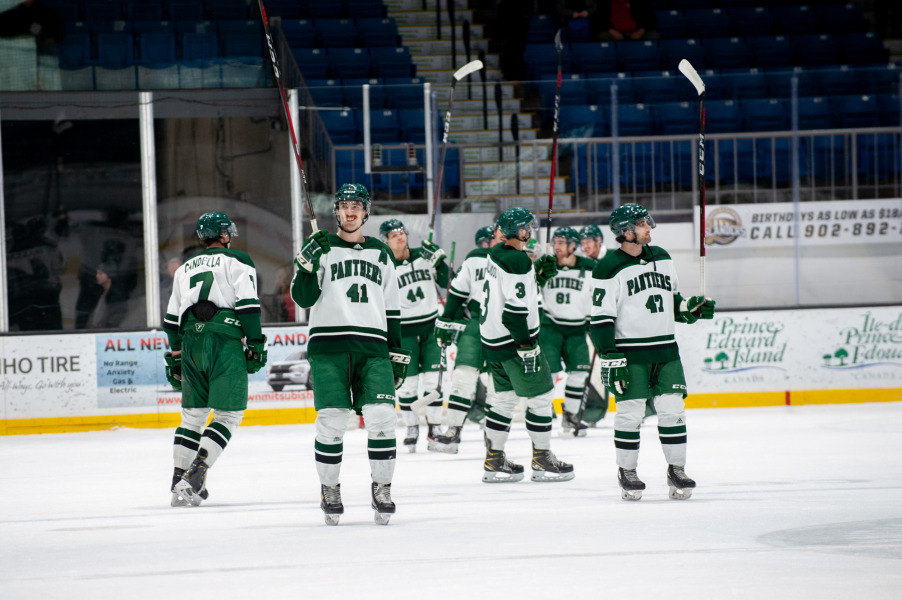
648	280
356	267
564	282
414	276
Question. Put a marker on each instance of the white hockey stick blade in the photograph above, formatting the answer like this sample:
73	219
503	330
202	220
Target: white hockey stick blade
470	67
692	75
426	400
557	41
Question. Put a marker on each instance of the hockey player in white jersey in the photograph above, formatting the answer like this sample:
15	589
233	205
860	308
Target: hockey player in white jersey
635	302
349	283
591	241
419	270
509	327
459	325
213	305
565	322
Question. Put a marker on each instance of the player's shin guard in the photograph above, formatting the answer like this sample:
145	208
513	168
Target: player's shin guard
218	433
538	420
331	424
407	394
626	432
379	420
498	419
573	391
672	427
463	391
188	436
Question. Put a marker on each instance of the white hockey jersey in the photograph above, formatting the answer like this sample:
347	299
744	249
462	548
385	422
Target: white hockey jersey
566	297
416	285
510	291
469	279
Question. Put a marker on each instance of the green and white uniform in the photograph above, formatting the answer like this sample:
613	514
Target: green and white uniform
635	304
510	319
213	305
419	309
354	321
466	290
565	323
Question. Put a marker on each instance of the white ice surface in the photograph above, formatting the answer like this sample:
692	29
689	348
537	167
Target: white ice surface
792	502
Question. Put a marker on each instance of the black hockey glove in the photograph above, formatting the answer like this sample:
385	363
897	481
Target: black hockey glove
432	253
400	360
314	247
174	369
447	331
614	375
255	355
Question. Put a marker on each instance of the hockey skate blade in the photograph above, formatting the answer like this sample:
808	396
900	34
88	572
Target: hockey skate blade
443	448
426	400
184	490
412	448
631	495
546	477
496	477
331	519
570	433
177	500
381	518
680	493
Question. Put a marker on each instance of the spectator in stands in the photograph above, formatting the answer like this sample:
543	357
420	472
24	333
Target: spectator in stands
112	307
627	20
580	17
278	307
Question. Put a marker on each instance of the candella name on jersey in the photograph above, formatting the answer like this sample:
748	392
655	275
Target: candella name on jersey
209	261
648	280
414	276
355	267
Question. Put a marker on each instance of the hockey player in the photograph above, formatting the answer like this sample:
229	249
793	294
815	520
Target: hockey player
592	242
509	326
349	283
213	305
635	303
565	322
454	327
419	270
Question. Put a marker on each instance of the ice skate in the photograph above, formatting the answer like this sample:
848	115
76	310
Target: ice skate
448	442
500	470
330	502
410	440
680	485
547	467
570	426
431	437
382	503
630	485
192	485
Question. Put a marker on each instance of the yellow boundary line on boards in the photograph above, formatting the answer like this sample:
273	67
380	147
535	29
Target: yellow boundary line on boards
296	416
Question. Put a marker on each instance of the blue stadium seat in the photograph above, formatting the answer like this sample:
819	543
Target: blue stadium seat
765	114
287	9
841	18
815	49
751	83
68	11
635	119
412	130
889	110
405	92
837	81
102	11
861	48
855	111
98	27
377	32
882	79
815	113
542	59
218	10
186	11
242	45
199	46
598	89
299	33
352	90
795	19
384	127
373	9
75	50
335	33
779	82
770	50
751	20
594	57
676	50
349	165
349	63
342	126
115	50
326	92
727	53
157	48
313	62
392	62
142	10
672	24
642	55
194	26
573	90
322	9
676	118
586	121
142	27
657	87
723	116
708	22
541	29
225	27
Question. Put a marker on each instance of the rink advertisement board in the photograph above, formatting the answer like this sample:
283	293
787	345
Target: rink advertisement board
99	381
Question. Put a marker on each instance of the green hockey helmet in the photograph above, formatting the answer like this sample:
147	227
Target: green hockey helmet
625	217
512	220
591	231
568	233
391	225
485	234
212	225
353	192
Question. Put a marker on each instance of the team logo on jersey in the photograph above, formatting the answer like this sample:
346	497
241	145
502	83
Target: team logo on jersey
723	226
199	327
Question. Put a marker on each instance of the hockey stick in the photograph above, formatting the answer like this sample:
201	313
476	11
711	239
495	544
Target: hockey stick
692	75
555	129
515	133
436	394
294	140
466	36
485	95
585	398
470	67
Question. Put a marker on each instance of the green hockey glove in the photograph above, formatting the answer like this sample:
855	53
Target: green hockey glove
545	268
255	355
529	357
314	247
614	375
400	360
432	253
448	331
174	369
695	308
